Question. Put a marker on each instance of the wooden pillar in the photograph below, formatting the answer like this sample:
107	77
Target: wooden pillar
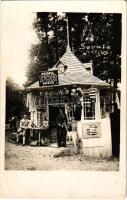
82	113
97	106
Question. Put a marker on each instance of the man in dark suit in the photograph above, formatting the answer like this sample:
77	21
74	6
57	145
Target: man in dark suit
61	121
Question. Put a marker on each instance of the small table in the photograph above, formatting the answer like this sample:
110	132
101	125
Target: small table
39	132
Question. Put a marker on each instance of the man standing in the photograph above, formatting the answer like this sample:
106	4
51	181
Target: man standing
61	121
24	123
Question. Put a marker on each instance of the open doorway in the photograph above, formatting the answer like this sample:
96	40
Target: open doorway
53	110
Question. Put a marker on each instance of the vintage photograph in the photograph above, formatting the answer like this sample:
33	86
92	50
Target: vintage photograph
63	91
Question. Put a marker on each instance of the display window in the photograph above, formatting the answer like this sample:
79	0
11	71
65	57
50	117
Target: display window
89	107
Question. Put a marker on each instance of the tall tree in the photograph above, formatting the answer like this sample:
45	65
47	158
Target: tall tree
50	29
93	36
14	99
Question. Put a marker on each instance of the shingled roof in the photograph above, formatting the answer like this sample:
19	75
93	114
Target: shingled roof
75	73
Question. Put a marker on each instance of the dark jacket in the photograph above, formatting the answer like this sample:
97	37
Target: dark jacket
61	120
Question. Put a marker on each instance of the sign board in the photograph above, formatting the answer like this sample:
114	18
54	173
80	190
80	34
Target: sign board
91	130
48	78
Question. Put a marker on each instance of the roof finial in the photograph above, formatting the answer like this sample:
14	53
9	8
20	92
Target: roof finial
68	42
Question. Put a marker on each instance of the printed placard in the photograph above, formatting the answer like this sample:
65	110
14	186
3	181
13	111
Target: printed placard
48	78
91	130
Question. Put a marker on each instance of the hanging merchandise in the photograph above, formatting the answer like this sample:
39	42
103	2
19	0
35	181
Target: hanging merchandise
73	91
92	93
38	119
42	111
80	92
32	102
109	102
66	91
28	100
42	118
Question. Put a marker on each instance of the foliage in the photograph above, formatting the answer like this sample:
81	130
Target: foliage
93	36
14	99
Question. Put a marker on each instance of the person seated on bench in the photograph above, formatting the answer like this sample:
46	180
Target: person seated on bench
24	124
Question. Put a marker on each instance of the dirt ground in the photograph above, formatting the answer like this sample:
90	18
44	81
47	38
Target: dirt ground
18	157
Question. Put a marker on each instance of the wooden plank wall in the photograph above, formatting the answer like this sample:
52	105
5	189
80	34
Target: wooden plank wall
98	147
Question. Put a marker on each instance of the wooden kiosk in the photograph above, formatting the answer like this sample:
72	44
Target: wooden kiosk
85	98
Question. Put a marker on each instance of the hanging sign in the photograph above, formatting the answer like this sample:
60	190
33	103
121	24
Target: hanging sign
48	78
91	130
